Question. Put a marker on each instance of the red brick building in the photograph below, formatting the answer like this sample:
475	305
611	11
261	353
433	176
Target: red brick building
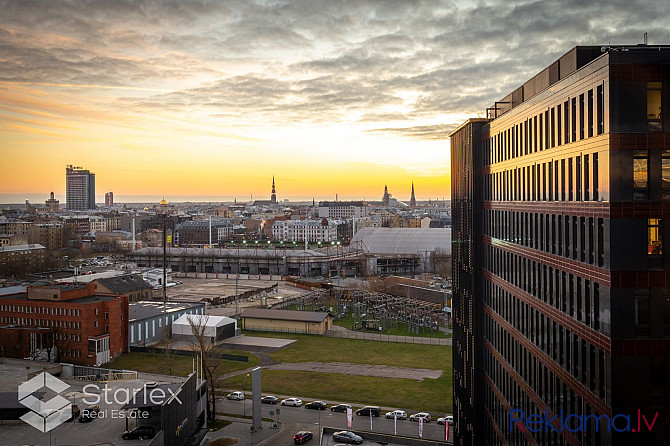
64	322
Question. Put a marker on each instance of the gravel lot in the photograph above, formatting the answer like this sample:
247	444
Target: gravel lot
382	371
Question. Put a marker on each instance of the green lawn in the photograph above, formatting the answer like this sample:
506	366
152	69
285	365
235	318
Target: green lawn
309	348
434	395
181	365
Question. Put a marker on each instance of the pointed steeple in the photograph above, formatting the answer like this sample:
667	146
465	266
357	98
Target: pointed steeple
273	197
386	199
412	200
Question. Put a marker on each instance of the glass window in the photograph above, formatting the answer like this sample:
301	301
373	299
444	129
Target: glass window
581	116
590	108
654	90
640	174
601	106
655	236
665	175
641	311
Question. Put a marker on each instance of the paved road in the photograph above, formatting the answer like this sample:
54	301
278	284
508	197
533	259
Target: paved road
311	420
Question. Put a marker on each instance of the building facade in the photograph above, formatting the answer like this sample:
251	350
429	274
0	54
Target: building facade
322	230
49	235
79	189
64	322
561	297
343	209
109	198
203	232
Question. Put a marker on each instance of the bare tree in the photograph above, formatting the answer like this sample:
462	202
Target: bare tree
204	346
442	263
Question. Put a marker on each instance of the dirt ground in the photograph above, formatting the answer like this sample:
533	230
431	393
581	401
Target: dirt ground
195	290
382	371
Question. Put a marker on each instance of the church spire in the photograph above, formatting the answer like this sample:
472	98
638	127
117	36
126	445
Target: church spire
273	197
412	200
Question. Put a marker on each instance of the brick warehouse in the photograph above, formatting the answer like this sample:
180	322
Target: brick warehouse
63	322
561	299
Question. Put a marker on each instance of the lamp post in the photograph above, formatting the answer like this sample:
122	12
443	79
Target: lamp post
244	394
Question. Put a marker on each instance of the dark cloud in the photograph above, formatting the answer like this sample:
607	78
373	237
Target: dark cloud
424	132
312	60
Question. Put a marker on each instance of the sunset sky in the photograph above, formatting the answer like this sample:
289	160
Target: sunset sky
207	100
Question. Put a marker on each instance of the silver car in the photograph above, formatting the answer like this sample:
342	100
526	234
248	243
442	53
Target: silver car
295	402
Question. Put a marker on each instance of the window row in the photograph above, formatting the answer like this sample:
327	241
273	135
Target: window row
559	343
573	237
32	322
568	179
589	365
558	397
575	296
31	309
575	119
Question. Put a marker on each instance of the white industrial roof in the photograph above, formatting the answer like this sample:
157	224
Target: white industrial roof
206	319
403	240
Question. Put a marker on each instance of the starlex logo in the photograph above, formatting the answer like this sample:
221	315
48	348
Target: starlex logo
44	416
578	423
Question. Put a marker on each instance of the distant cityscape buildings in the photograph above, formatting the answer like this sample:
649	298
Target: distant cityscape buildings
561	301
79	189
52	203
109	198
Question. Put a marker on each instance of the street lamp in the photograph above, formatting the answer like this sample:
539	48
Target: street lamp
244	393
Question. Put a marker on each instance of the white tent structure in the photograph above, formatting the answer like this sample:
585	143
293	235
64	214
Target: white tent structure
215	327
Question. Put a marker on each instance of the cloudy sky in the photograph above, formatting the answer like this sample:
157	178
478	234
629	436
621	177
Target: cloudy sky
210	99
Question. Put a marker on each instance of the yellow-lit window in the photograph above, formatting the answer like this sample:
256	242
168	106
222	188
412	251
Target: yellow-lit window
654	90
655	237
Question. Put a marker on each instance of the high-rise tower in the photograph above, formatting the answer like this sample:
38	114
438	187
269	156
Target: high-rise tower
79	189
561	301
273	197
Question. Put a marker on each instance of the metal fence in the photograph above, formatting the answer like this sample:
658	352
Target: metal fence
361	335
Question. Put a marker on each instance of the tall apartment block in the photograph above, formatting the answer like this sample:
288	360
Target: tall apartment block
109	198
561	254
79	189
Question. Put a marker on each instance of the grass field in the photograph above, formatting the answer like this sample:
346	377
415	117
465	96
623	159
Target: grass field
433	395
181	365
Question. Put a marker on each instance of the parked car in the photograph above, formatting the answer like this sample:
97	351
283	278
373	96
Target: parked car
316	405
75	412
375	410
140	433
400	414
235	396
302	437
340	407
446	419
89	413
421	415
347	437
295	402
269	399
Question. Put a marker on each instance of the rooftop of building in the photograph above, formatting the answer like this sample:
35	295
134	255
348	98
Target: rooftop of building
127	283
138	311
570	62
31	247
403	240
78	300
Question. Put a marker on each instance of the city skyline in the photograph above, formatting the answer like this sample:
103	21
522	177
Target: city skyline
210	100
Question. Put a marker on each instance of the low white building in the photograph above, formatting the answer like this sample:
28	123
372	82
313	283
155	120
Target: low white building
214	328
322	230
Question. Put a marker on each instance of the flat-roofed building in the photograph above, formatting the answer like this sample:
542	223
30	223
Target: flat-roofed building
286	321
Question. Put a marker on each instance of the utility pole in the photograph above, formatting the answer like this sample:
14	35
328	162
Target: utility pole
164	259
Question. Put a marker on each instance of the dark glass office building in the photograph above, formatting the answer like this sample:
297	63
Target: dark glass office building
561	249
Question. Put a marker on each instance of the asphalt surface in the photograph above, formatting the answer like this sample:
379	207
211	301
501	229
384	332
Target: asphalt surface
293	419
